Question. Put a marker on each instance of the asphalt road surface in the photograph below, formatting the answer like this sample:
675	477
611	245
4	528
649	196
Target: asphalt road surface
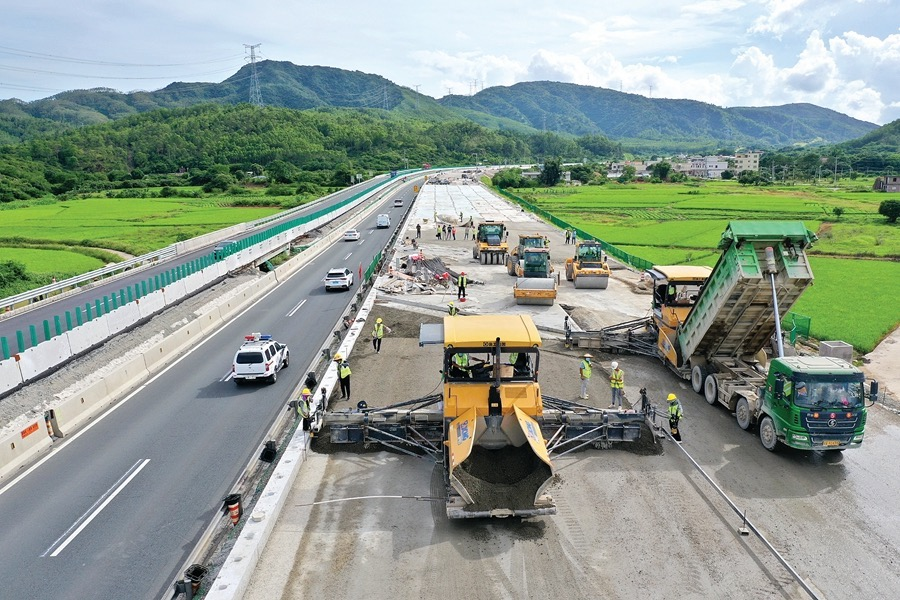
115	509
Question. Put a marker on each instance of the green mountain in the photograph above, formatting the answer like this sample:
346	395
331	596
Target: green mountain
883	139
638	122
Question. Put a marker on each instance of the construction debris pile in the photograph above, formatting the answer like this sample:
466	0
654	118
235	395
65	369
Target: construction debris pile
415	274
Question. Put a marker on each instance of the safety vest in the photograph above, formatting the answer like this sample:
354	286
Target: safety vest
461	360
672	290
585	369
345	370
675	411
513	357
379	330
461	282
453	310
617	379
303	406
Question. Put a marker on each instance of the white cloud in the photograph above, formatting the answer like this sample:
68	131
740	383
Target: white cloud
782	16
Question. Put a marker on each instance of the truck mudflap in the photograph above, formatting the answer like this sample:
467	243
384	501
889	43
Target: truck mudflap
498	466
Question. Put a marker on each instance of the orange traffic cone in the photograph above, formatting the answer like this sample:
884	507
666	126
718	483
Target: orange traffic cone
233	503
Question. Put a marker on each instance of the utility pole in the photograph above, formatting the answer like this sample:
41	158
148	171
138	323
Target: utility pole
255	95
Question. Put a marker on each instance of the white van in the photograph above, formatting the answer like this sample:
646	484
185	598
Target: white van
382	221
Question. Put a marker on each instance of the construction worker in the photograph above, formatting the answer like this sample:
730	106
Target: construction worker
617	385
378	334
418	230
671	293
461	282
568	236
452	310
675	415
584	372
343	369
459	366
304	408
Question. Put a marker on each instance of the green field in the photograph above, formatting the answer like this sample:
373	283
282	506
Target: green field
853	300
52	263
132	225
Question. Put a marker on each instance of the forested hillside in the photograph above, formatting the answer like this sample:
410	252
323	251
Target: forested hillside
324	146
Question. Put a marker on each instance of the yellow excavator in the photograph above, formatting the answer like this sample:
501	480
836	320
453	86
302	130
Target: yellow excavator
588	269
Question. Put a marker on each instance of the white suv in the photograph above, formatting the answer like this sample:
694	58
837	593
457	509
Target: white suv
259	357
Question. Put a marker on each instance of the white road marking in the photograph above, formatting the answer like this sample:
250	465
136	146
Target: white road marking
296	308
101	503
348	256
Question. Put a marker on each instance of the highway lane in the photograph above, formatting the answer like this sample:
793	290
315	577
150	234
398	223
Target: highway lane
37	315
117	508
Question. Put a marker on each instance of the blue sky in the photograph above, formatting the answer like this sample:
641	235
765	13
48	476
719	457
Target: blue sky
840	54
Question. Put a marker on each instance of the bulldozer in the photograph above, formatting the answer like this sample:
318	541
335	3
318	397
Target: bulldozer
490	247
491	430
588	269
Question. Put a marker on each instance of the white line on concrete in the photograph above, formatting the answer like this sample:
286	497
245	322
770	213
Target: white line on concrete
348	256
101	503
296	308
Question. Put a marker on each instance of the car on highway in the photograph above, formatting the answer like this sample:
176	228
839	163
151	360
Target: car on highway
351	235
259	357
219	249
339	279
398	202
383	220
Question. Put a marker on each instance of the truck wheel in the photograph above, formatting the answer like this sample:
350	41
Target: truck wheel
767	434
483	259
273	377
742	414
711	390
474	253
287	361
698	376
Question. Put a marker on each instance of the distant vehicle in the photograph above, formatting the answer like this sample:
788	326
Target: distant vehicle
259	357
382	221
351	235
398	202
339	279
219	249
393	174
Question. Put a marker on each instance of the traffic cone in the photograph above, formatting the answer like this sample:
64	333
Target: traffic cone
233	504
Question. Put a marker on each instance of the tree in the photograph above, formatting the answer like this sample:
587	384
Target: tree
507	178
628	174
551	172
661	170
582	173
890	209
726	174
837	211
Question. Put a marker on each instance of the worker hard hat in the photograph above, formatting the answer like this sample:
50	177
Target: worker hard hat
614	365
305	392
338	356
378	320
801	385
451	304
462	272
588	356
672	397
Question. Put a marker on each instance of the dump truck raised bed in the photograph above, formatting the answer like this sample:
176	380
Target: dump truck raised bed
490	247
587	269
491	429
713	328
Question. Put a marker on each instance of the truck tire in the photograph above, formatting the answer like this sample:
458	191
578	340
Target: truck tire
767	434
698	377
474	253
742	414
274	377
483	259
711	390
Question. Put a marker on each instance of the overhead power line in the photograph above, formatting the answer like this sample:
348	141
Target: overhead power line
86	61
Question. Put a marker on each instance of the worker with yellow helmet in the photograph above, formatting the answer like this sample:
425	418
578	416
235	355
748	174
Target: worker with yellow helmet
452	310
303	407
378	334
675	415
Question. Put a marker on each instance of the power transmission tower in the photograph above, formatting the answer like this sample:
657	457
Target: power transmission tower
255	95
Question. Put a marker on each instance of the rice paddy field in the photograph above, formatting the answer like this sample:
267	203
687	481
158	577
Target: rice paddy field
856	260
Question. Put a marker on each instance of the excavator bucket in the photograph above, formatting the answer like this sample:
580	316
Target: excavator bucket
498	466
532	290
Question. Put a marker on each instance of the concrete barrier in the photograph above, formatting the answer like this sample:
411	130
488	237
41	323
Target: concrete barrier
163	353
126	377
174	292
210	321
20	443
79	408
88	335
193	282
43	357
123	317
10	375
151	304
